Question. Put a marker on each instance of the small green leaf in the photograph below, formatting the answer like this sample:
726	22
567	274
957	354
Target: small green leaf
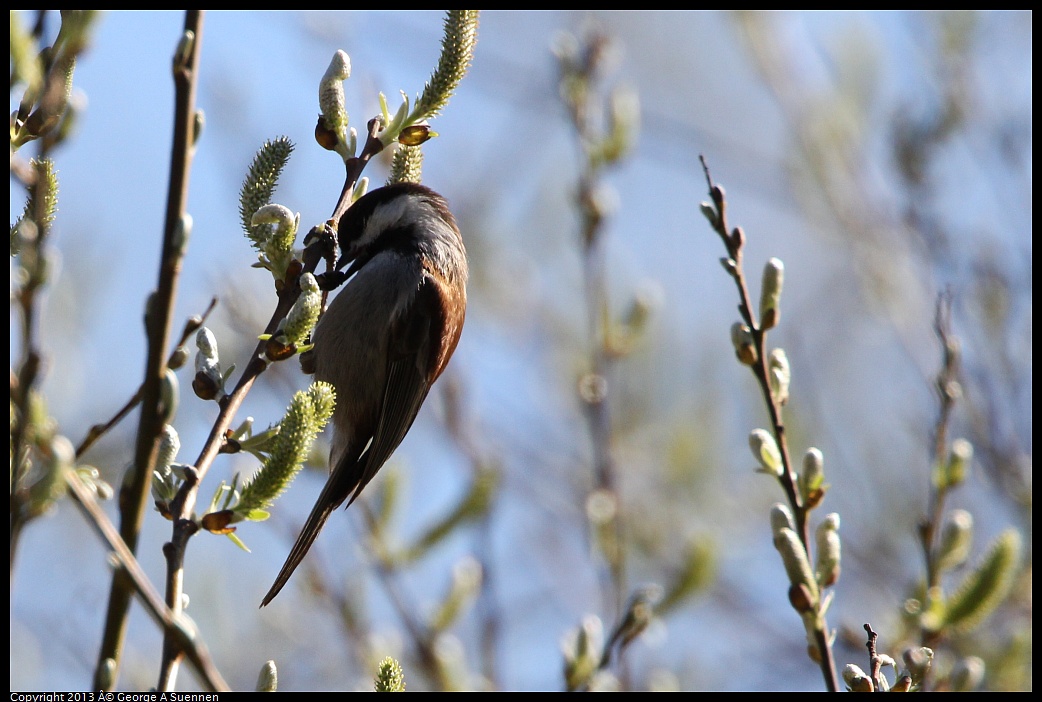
238	542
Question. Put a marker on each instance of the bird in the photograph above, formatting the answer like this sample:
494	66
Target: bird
385	338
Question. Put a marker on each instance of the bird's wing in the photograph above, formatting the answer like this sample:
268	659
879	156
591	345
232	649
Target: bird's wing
411	353
415	357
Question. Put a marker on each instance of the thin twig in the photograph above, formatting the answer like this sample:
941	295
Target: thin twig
734	240
135	491
595	387
354	167
875	666
181	629
947	392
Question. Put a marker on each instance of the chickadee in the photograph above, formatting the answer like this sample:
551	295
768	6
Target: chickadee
385	338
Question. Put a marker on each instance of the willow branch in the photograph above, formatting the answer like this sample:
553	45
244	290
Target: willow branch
135	491
181	629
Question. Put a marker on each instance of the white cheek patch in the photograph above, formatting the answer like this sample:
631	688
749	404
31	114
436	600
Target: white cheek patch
388	215
438	242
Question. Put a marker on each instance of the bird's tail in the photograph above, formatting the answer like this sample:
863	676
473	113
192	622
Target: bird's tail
333	495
